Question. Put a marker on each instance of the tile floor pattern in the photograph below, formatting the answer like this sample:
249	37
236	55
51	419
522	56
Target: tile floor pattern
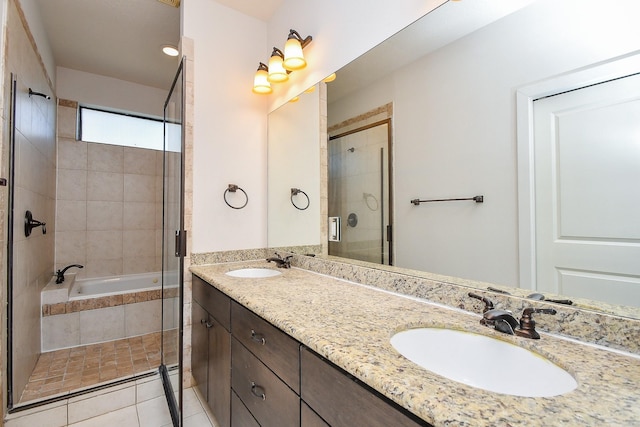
140	403
75	368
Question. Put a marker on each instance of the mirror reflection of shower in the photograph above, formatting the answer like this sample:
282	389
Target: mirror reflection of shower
359	174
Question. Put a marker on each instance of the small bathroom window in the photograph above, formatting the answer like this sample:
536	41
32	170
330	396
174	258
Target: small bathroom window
120	128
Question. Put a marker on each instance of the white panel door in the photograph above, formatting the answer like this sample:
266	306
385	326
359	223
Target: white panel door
587	192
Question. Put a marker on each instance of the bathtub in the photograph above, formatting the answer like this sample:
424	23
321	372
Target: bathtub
108	308
114	285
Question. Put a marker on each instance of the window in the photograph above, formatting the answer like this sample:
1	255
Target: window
108	127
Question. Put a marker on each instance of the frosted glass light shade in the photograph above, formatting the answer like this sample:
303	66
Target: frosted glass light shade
260	83
277	73
293	56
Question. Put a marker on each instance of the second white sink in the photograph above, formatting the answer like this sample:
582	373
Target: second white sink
253	272
483	362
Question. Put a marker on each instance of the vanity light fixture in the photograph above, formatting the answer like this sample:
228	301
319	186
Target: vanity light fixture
331	77
170	50
293	56
261	83
277	73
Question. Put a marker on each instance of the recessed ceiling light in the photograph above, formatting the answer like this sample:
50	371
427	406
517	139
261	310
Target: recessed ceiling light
170	50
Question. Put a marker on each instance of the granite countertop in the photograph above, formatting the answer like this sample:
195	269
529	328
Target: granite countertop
350	325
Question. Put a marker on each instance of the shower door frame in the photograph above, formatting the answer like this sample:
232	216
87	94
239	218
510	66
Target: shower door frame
175	406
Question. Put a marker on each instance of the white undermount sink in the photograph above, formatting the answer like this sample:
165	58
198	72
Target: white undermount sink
483	362
253	273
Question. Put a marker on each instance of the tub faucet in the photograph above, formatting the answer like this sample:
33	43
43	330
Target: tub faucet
281	262
60	273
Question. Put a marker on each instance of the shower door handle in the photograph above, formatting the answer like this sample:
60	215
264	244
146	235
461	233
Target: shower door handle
181	243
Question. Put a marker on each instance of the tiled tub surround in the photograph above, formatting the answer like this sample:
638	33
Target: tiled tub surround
109	204
351	325
69	322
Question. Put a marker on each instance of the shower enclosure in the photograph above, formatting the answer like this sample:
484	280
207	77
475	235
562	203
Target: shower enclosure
359	193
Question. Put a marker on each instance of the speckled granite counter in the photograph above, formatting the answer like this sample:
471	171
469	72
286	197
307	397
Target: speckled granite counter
351	325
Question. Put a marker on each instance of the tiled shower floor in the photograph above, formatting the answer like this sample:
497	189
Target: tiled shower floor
76	368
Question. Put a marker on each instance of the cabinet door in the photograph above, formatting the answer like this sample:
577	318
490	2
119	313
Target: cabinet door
219	383
341	401
199	348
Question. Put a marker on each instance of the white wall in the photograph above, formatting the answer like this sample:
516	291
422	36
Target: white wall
230	126
93	89
458	138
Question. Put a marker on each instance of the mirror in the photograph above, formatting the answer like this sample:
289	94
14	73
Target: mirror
293	198
455	122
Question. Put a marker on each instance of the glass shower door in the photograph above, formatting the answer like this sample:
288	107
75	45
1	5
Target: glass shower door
359	188
173	246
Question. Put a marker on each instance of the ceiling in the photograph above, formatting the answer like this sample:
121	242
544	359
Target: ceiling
123	38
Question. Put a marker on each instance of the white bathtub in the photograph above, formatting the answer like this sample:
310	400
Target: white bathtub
114	285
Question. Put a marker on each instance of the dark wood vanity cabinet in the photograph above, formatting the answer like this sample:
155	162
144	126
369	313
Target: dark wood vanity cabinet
342	401
211	348
255	375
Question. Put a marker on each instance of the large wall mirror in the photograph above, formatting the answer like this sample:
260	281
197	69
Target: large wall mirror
451	84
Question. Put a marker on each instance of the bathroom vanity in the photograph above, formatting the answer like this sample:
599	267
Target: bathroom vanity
312	350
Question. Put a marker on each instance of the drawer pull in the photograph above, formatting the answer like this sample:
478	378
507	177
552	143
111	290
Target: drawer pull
259	338
205	323
258	391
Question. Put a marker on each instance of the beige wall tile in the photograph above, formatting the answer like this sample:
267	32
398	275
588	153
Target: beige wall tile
104	324
105	158
104	267
139	188
71	215
60	331
135	265
72	184
71	247
139	161
67	120
72	154
104	215
140	216
104	186
104	245
139	243
143	317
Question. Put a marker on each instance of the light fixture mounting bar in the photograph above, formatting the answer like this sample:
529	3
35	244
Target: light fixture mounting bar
303	42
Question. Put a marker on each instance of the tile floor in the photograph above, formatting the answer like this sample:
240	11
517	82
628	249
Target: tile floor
75	368
140	403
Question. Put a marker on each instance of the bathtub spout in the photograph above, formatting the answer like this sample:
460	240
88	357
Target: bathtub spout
60	273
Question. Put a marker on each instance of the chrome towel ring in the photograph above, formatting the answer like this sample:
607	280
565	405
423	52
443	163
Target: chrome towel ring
232	189
295	192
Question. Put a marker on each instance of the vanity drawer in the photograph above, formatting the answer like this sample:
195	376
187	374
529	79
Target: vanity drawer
269	400
212	300
341	400
274	348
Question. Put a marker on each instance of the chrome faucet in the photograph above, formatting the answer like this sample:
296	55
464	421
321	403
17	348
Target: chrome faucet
504	320
60	273
281	262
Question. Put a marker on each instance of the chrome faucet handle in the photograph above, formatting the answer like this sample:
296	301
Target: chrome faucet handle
528	325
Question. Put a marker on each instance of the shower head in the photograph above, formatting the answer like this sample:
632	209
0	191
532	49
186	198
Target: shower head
44	95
